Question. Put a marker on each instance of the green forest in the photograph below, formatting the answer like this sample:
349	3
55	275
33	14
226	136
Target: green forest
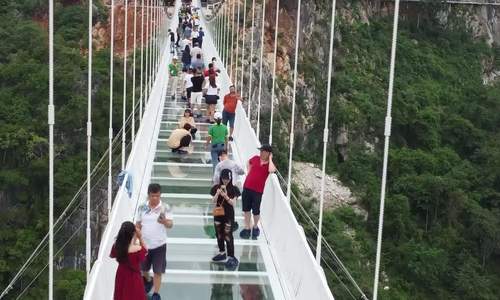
24	129
442	214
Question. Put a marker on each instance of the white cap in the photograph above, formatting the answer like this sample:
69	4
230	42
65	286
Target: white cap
217	115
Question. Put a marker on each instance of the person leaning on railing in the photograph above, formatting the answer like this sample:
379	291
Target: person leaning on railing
259	167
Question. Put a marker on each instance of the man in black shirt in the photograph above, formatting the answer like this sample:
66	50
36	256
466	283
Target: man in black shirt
198	81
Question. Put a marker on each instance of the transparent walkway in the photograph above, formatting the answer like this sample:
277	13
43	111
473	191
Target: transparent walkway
187	179
279	265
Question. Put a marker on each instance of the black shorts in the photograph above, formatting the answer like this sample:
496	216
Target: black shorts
251	201
188	92
156	258
211	99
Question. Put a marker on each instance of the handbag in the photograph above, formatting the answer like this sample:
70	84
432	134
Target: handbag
218	211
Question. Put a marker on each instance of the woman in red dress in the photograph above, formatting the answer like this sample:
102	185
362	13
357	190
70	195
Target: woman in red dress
128	280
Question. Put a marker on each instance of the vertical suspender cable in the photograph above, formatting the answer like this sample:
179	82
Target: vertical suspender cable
124	104
260	68
141	96
146	74
325	135
150	46
243	47
226	37
273	92
249	110
110	129
88	249
51	122
297	35
387	134
156	41
133	74
231	61
237	46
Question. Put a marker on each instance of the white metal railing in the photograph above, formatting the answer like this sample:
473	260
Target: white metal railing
139	164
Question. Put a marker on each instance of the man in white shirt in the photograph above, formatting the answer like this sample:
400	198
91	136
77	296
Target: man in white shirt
226	163
188	84
196	50
153	218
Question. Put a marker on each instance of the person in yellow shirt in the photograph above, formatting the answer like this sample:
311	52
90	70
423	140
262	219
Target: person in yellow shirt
180	139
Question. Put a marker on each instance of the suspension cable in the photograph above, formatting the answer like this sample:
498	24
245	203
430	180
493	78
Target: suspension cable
276	28
249	110
231	61
124	104
110	129
60	221
237	47
89	144
387	134
133	73
242	86
146	74
141	97
226	37
297	35
259	97
51	122
325	135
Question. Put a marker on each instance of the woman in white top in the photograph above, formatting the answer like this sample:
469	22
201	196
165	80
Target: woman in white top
211	98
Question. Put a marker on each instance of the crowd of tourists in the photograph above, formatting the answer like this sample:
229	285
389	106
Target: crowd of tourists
142	247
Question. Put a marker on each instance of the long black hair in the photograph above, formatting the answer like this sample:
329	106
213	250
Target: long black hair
123	241
226	174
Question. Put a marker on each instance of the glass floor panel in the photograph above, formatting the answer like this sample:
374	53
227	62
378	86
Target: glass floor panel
196	228
197	145
195	157
184	185
200	135
187	171
193	206
215	287
179	109
175	124
198	257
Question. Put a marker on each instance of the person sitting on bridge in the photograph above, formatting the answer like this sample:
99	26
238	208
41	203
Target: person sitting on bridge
225	195
153	218
130	251
187	118
259	168
180	139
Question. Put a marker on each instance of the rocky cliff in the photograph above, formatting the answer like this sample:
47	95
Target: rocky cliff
480	21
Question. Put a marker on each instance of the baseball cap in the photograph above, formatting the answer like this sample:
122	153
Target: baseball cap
217	116
266	147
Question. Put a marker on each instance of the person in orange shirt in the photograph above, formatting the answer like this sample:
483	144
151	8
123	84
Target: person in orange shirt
229	112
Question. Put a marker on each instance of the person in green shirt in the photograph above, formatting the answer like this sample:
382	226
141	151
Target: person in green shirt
173	70
217	138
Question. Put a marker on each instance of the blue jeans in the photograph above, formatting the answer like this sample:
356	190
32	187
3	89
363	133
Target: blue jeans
214	152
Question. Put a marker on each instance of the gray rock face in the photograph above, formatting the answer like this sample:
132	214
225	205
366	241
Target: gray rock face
307	177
